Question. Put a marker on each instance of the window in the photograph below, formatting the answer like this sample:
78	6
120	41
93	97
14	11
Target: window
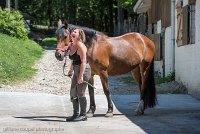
192	24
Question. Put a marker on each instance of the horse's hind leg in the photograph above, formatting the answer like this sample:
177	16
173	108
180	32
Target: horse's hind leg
148	91
92	108
104	81
137	76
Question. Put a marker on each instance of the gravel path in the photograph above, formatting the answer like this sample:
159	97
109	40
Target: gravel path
50	79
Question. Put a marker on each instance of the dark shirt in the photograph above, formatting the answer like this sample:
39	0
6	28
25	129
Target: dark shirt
75	58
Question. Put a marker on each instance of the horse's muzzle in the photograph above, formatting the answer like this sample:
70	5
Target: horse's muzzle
59	55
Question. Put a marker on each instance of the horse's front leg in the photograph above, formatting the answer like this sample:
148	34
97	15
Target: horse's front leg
90	112
104	81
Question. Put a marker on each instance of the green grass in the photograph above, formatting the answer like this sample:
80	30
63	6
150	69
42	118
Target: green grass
17	58
47	42
158	80
128	80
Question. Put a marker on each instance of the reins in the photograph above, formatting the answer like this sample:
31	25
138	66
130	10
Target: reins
64	66
83	81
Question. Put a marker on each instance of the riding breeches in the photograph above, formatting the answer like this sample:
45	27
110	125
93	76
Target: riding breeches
78	90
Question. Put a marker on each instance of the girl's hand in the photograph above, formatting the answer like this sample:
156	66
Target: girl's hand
80	80
70	73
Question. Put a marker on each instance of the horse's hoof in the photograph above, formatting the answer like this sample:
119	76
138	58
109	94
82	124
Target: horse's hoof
138	113
109	114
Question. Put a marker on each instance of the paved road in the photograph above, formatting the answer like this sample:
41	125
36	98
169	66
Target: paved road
43	113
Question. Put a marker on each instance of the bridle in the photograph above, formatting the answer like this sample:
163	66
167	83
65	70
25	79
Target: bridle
63	34
66	50
61	49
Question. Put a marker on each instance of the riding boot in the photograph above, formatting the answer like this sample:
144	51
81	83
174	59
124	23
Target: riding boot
83	105
75	115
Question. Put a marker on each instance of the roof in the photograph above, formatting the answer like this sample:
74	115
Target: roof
142	6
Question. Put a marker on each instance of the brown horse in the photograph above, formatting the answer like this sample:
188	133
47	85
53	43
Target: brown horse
131	52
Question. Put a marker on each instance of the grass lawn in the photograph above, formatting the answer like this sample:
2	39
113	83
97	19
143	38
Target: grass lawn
17	58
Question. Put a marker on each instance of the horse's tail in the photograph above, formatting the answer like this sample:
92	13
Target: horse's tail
150	99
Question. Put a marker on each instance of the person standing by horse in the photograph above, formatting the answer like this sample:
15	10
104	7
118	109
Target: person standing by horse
80	69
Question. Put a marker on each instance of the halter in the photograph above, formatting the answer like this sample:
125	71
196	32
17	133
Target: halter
60	49
64	49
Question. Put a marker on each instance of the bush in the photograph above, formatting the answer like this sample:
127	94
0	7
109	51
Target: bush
12	23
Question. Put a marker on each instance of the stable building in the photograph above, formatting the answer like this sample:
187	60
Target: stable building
174	27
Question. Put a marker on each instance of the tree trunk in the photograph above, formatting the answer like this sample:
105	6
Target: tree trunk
8	4
16	4
101	16
65	11
111	17
120	21
49	12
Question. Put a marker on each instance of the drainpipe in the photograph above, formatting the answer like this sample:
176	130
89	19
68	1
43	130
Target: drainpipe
173	33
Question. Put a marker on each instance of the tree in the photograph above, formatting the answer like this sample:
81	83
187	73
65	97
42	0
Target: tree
8	4
16	4
97	14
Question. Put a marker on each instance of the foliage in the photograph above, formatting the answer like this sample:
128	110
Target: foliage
11	23
17	58
97	14
170	77
48	42
128	5
128	80
158	79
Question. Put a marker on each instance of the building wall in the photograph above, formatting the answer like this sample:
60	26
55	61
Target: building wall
158	67
168	61
187	59
158	64
168	52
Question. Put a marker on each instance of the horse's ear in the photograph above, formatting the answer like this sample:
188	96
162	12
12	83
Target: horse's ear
66	23
59	23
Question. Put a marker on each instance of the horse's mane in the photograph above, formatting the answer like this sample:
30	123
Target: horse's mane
102	34
60	32
90	33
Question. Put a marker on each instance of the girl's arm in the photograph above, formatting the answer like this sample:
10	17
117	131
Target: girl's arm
71	70
82	52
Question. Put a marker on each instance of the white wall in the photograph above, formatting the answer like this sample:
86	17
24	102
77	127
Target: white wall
187	59
158	67
168	52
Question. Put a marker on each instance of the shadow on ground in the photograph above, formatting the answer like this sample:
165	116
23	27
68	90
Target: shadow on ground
44	118
175	114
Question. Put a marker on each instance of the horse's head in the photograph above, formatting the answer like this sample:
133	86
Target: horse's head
63	40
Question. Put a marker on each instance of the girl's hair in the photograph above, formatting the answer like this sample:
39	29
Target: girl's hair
82	35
